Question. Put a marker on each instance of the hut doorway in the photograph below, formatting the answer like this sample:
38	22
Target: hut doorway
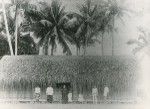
67	84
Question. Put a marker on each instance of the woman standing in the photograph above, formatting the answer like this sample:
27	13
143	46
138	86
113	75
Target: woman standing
64	95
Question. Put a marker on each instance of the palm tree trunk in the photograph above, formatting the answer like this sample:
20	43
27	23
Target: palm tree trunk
77	53
52	51
113	37
37	49
41	50
84	50
46	49
113	43
85	45
16	36
46	46
7	30
79	50
102	44
16	29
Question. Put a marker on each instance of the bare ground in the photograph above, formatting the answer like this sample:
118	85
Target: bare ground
73	106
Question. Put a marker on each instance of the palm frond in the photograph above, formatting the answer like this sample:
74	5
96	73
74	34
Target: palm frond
56	10
81	30
63	43
135	42
61	13
143	39
137	49
72	23
35	15
46	23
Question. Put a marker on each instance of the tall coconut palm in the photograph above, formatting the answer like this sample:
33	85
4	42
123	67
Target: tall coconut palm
49	26
17	4
6	26
114	11
14	17
71	26
26	44
84	23
24	40
102	23
17	12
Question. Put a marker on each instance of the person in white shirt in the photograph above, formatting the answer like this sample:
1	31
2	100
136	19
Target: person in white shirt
106	92
94	94
70	96
37	93
49	93
80	98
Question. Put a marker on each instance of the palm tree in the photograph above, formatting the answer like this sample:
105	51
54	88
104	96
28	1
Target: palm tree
142	43
114	11
7	30
17	4
24	40
49	26
71	26
14	18
84	25
26	45
103	25
20	7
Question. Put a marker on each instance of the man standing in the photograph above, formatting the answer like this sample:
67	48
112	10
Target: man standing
64	95
49	93
106	91
94	94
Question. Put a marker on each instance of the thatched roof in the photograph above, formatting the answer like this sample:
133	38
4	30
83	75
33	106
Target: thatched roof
119	71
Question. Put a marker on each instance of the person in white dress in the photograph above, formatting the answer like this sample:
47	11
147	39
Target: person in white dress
106	92
49	93
94	94
37	93
70	97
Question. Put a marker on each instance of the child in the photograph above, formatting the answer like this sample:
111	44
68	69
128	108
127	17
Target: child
37	93
81	99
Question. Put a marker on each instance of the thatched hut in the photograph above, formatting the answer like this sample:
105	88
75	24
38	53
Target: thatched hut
20	74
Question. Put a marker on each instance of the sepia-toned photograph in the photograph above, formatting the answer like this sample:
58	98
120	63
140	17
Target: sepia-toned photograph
74	54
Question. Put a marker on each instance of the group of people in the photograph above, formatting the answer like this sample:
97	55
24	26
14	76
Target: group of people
67	96
95	94
49	94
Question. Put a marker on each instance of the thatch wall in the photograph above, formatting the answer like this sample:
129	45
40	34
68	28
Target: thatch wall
23	73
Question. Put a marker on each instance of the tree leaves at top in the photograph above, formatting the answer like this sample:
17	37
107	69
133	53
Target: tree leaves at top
48	25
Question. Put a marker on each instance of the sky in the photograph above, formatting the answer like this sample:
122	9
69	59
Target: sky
128	30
